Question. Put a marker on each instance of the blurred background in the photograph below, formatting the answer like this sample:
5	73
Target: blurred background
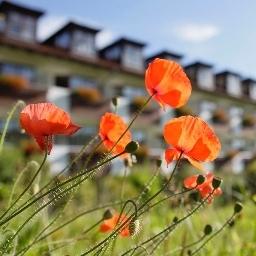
80	54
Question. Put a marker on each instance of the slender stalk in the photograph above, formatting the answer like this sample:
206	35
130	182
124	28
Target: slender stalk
67	223
132	215
213	235
9	117
174	225
27	187
60	185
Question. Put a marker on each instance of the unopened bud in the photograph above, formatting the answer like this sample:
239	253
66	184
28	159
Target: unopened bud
207	229
134	227
158	163
238	207
114	101
107	214
131	147
216	183
231	223
175	219
189	252
200	179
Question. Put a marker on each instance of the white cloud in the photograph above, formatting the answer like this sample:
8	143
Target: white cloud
196	33
49	25
104	38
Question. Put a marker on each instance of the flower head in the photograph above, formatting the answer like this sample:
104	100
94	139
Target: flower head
168	83
112	128
110	224
43	121
193	138
205	189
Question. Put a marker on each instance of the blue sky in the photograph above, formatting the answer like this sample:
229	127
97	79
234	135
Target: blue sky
221	32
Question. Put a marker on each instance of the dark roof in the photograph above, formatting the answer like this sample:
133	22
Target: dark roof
122	41
69	27
199	64
228	72
6	6
249	81
59	53
163	54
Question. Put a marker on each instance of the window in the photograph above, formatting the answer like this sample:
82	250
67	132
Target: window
21	26
79	81
83	43
233	85
63	40
2	22
206	110
132	57
113	53
236	119
20	70
205	78
131	92
252	91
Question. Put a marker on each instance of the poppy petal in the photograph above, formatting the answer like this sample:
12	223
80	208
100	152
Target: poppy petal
171	154
190	182
195	163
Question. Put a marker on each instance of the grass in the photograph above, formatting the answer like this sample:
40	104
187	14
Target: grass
237	240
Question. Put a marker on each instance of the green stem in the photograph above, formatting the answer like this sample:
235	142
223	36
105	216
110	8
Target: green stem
213	235
9	117
27	187
59	186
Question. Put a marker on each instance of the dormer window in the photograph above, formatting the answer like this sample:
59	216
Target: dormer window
83	43
249	88
21	26
201	75
18	22
233	85
75	38
126	52
167	55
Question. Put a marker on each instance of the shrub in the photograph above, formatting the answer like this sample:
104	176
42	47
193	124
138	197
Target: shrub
85	95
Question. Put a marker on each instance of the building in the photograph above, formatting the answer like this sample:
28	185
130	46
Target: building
70	71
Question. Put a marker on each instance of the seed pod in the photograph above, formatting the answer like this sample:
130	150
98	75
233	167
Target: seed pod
207	229
216	183
107	214
238	207
132	147
200	179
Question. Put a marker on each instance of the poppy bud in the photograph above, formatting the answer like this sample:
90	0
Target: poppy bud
158	163
216	182
238	207
231	223
114	101
207	229
107	214
134	227
132	147
200	179
175	219
189	252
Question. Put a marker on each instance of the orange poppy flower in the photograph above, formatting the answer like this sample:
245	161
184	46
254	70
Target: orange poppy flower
110	224
205	189
43	120
166	80
112	127
192	137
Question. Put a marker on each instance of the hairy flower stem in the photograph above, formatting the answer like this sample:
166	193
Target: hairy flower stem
9	117
214	234
59	174
39	239
27	187
100	244
174	225
59	186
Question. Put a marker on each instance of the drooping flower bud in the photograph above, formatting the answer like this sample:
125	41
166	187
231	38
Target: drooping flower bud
216	182
207	229
200	179
238	207
132	147
107	214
